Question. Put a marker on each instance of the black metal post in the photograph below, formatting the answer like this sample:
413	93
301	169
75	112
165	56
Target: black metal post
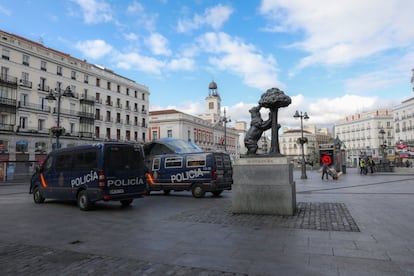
302	142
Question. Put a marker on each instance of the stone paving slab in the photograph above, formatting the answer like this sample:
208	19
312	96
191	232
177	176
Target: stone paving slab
38	260
323	216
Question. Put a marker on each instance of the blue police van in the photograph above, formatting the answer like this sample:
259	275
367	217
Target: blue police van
177	165
91	173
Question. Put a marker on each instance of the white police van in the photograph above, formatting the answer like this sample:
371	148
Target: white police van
90	173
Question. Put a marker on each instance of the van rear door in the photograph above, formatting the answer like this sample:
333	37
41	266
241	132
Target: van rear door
124	169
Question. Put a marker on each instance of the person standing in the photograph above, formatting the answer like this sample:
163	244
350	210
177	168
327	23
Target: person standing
361	165
325	170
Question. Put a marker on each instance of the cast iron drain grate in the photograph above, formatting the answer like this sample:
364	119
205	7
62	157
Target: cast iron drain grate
323	216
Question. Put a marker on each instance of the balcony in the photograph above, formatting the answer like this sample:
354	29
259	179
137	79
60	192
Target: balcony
86	115
35	107
8	79
25	83
42	87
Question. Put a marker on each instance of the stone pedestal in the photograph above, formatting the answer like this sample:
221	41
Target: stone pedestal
263	185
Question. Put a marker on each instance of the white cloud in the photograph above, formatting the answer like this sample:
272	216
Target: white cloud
340	32
135	7
5	11
138	62
94	49
244	60
158	44
214	17
95	11
185	64
131	36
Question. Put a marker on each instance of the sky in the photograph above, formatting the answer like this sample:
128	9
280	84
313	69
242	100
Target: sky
333	58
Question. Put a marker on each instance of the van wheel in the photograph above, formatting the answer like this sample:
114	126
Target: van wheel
126	202
83	201
37	196
197	191
217	193
167	192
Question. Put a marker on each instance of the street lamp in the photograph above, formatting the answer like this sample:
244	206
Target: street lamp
225	120
51	97
302	140
384	143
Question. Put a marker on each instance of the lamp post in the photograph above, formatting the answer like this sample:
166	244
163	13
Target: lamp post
302	116
383	145
225	120
51	97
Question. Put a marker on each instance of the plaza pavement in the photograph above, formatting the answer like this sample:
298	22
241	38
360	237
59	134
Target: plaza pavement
356	225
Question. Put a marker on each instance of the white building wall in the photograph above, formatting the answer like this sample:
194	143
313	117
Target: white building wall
34	71
360	134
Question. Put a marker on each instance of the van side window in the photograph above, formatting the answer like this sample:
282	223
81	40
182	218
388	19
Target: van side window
173	162
63	162
219	161
156	164
85	160
196	161
48	163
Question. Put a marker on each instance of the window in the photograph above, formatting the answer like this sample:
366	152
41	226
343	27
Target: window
123	158
24	81
5	54
98	82
127	91
43	65
86	78
210	105
156	164
196	160
64	162
86	160
26	60
22	146
169	133
118	88
108	85
40	147
73	75
154	135
41	124
59	70
143	96
173	162
23	122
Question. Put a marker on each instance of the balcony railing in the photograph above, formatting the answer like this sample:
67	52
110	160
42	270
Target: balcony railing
8	79
31	106
25	83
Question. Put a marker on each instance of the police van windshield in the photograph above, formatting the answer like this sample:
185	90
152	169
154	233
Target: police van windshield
123	158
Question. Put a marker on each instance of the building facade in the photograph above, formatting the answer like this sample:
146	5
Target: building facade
209	130
101	105
290	145
404	123
367	134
